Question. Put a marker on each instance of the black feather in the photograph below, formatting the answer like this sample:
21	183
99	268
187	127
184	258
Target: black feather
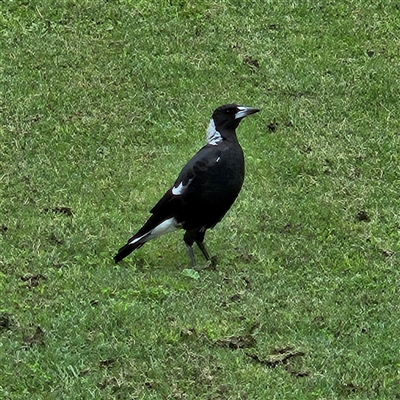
205	189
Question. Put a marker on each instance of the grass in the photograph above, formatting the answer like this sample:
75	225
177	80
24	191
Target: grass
102	104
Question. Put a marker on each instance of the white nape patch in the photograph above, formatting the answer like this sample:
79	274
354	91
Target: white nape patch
213	136
218	158
167	226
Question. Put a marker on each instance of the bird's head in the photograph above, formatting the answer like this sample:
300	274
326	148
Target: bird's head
229	116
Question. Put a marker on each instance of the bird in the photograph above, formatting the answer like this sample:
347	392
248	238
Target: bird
205	189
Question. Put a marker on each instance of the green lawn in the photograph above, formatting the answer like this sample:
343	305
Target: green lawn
102	103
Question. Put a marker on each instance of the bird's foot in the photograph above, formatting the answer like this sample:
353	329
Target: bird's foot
211	264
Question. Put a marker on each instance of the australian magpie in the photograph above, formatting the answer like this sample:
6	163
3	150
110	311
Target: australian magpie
205	189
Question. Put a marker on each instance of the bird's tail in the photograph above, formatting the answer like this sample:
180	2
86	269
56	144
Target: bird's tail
137	240
152	229
132	245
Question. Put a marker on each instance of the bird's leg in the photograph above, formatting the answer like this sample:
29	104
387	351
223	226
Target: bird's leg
203	249
198	237
191	255
211	261
189	240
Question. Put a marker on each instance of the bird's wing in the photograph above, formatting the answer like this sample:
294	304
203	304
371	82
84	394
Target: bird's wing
192	174
165	216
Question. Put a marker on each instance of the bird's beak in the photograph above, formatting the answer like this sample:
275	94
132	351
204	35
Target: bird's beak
245	111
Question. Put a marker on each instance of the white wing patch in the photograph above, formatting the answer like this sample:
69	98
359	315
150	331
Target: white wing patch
180	188
177	190
167	226
213	136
